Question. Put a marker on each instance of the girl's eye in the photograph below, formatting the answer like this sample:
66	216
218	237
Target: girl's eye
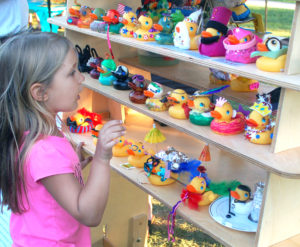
73	72
201	105
227	112
263	120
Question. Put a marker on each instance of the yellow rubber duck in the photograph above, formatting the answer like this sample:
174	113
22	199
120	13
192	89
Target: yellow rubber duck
121	148
137	155
145	32
129	21
272	55
243	84
154	93
226	120
179	109
260	127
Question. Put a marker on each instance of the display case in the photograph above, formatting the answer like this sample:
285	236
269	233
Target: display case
233	157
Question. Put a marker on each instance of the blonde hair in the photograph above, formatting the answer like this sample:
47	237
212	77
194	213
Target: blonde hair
25	59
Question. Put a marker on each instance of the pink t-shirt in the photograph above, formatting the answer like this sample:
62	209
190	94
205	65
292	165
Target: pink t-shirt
46	223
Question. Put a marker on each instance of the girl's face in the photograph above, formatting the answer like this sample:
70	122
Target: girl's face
63	93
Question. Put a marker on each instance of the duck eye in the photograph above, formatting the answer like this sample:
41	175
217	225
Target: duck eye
201	188
273	44
182	97
146	22
218	33
263	120
201	105
227	112
120	141
246	195
191	28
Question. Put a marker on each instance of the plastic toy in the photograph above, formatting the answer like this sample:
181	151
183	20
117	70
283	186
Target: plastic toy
74	12
179	107
219	77
240	45
130	22
138	87
226	120
146	32
216	31
122	147
112	19
97	24
158	172
260	127
122	78
243	84
155	100
240	11
85	19
201	106
137	155
272	55
185	32
94	62
79	124
239	201
97	14
106	77
165	26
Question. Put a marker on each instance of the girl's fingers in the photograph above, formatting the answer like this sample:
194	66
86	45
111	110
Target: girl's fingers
79	147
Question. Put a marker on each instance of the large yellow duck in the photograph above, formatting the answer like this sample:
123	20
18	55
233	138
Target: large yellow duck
226	120
179	109
137	155
130	22
272	55
146	32
122	147
260	127
185	32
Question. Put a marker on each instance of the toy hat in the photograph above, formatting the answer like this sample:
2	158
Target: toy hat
193	17
219	19
240	33
263	106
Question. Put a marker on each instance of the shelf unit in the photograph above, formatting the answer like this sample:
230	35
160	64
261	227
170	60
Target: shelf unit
280	216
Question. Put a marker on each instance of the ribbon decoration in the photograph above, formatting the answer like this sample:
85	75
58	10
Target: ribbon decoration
108	42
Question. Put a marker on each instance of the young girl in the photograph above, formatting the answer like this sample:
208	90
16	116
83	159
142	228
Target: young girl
40	173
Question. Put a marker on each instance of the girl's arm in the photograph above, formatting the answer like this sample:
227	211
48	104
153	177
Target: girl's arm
87	204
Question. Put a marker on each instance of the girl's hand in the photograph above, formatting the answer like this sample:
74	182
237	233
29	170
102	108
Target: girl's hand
83	161
108	137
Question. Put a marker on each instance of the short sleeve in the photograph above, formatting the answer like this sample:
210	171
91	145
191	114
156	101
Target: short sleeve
49	158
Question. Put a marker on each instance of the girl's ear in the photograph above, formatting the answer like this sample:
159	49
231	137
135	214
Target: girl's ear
37	91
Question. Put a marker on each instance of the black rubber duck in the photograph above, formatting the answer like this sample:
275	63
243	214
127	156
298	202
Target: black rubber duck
122	75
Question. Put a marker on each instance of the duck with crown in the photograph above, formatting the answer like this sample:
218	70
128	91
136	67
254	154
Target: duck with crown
260	126
185	32
216	31
272	55
226	120
179	109
155	101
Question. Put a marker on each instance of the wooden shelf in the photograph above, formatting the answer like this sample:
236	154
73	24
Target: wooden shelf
170	194
247	70
284	164
198	77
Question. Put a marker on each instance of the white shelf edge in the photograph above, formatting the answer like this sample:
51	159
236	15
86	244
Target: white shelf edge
246	70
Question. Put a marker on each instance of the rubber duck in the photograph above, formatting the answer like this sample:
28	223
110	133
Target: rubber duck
165	26
154	93
137	155
185	32
74	14
240	11
158	173
122	78
179	109
240	44
130	22
272	55
243	84
146	32
138	87
97	24
121	148
201	106
219	77
226	120
79	124
112	19
260	127
85	19
239	201
106	77
216	31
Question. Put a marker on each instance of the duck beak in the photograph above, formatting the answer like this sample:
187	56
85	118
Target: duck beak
124	21
251	123
233	40
191	188
130	152
99	69
93	16
261	47
235	195
191	103
205	34
158	27
107	19
148	94
216	114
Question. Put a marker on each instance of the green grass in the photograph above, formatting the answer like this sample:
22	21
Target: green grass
284	1
186	234
279	21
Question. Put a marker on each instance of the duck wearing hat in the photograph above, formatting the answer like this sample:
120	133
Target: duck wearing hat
106	77
130	24
240	44
226	120
185	32
260	127
272	55
216	31
122	78
179	109
155	102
